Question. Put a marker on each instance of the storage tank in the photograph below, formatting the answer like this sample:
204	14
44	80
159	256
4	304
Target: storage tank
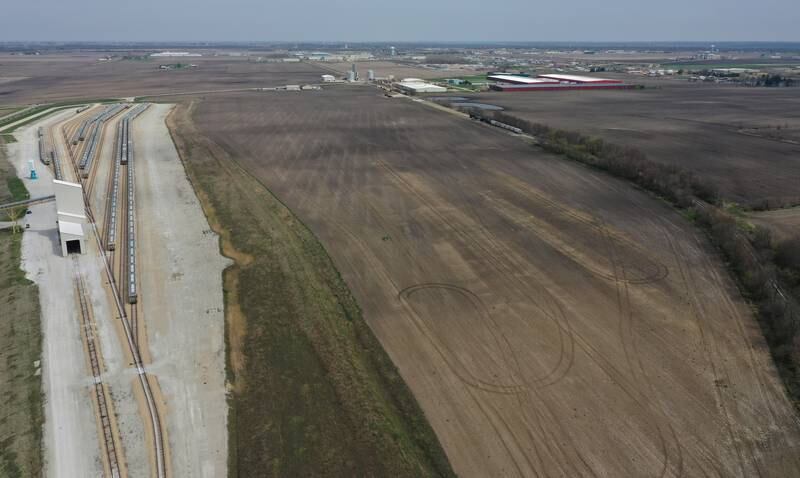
351	76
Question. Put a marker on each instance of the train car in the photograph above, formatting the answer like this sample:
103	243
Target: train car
505	126
81	134
56	165
43	156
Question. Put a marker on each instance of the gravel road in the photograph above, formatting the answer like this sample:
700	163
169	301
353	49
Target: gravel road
182	302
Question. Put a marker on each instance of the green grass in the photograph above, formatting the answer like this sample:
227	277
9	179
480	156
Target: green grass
17	189
317	395
11	187
8	110
21	416
22	114
30	119
31	113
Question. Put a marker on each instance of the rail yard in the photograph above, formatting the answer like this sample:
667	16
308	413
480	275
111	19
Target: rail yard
289	265
96	147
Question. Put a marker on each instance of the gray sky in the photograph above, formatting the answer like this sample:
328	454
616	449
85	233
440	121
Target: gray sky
401	20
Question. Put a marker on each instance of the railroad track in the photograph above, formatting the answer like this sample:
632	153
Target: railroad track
129	320
52	152
104	406
144	381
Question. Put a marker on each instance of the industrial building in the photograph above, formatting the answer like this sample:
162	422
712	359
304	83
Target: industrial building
520	80
551	82
415	85
577	79
71	215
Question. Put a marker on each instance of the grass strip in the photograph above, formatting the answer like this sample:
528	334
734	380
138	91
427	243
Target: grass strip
21	416
31	113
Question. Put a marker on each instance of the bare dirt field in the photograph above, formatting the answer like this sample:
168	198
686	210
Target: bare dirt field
726	134
784	223
550	320
71	76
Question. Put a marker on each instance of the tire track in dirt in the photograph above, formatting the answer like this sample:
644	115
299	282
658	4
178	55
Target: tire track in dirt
545	438
469	239
633	357
377	267
706	340
652	272
519	286
526	405
506	267
729	309
643	402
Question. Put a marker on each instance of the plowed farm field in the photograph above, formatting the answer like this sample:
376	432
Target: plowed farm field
550	320
742	140
59	77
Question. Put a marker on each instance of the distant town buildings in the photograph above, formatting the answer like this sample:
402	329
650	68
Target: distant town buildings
174	53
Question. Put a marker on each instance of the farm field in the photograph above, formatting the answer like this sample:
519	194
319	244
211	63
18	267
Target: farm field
549	319
731	136
784	223
62	77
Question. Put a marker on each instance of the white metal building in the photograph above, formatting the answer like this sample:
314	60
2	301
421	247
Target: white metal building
415	85
71	214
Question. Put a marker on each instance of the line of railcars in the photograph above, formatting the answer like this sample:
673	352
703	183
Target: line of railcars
495	123
111	235
56	165
90	151
133	293
43	156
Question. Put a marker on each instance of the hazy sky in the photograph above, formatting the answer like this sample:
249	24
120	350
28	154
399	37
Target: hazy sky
401	20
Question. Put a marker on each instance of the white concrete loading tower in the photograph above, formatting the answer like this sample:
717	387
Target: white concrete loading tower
71	214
